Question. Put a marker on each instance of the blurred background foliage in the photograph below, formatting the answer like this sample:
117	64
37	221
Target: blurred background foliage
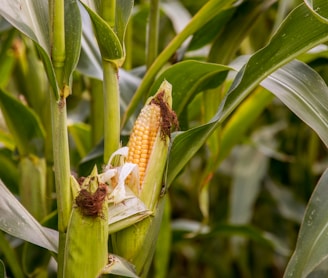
247	222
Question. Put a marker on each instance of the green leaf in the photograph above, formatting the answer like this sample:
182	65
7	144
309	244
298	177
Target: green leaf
30	135
18	222
73	30
90	63
196	76
204	15
289	84
32	19
319	8
122	16
312	240
242	119
293	85
298	33
210	30
261	64
110	40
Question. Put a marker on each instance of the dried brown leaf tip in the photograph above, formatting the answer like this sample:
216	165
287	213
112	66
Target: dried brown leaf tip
91	204
169	120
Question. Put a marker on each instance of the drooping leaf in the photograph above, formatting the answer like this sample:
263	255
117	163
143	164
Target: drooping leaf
312	240
18	222
30	134
298	33
304	92
258	68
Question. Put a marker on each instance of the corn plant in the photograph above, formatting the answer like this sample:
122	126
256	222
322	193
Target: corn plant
163	138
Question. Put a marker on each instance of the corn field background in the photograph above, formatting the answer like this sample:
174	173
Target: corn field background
245	186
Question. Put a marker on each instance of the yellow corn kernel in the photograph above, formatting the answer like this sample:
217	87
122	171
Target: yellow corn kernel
142	138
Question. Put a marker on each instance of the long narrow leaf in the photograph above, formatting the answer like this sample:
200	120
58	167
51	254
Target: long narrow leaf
291	34
311	248
196	76
18	222
304	92
300	32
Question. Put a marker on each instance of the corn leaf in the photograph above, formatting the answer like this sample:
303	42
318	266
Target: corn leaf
261	64
196	76
110	40
18	222
319	8
312	241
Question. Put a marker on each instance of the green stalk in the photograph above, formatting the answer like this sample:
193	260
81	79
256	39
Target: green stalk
111	90
152	39
205	14
59	126
108	9
111	109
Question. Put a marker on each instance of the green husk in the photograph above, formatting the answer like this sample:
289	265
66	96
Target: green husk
86	251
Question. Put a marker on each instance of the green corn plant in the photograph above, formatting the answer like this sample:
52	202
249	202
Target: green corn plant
95	180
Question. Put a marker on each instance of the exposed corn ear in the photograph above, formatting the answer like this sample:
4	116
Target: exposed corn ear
86	251
142	139
148	146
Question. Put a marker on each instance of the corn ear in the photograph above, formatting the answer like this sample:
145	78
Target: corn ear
86	251
137	243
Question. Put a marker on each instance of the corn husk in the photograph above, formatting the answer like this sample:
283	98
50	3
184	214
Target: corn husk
86	251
